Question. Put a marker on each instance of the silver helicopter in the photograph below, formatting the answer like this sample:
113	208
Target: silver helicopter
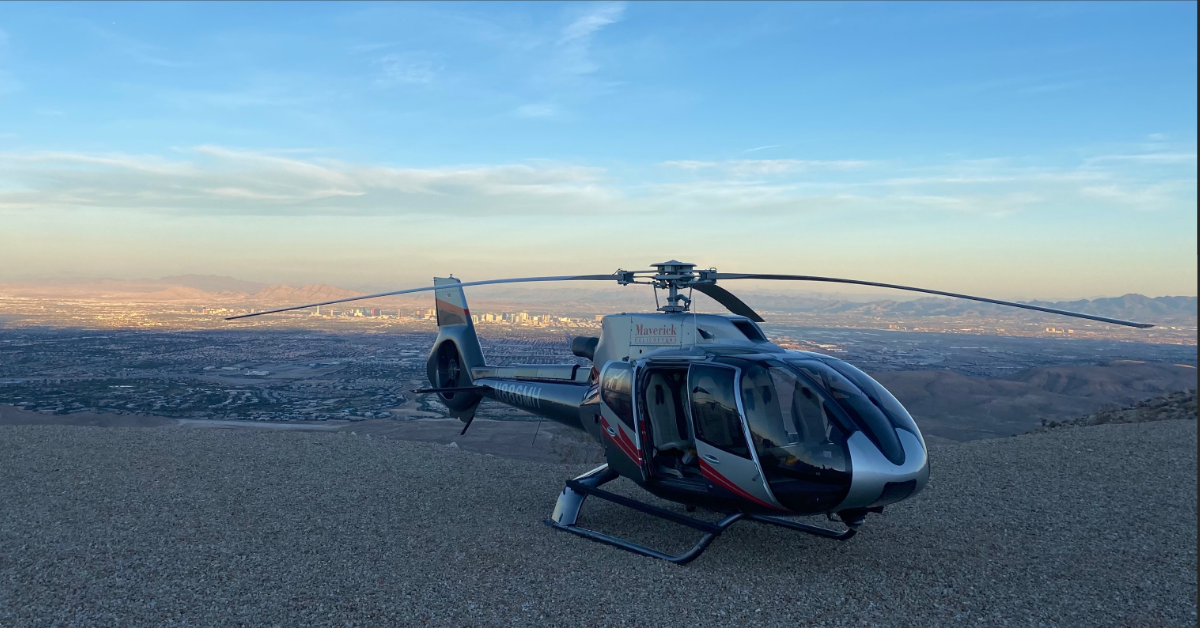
700	409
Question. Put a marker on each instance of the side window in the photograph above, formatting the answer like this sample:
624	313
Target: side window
616	390
789	426
714	409
750	330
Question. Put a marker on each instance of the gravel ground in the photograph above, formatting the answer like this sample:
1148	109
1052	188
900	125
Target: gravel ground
1090	526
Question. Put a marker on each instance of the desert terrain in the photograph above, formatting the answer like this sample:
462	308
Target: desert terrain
1086	525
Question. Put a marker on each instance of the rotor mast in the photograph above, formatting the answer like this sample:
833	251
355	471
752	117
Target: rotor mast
674	276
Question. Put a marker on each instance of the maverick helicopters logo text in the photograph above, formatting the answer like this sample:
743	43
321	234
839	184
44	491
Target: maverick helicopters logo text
656	333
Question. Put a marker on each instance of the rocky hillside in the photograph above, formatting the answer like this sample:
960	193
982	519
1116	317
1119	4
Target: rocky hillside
1175	406
1120	382
958	407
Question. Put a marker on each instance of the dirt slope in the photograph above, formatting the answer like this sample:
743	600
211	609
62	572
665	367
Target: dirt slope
954	406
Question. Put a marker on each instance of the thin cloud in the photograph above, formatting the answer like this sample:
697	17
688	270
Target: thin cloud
212	180
758	167
541	110
8	81
755	150
406	69
141	52
220	180
575	42
1144	198
564	70
1046	88
1149	158
996	177
1031	84
361	48
600	16
55	160
235	99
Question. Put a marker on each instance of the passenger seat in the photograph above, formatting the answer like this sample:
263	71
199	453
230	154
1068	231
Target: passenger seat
660	403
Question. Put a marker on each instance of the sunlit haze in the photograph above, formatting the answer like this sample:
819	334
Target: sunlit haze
1015	150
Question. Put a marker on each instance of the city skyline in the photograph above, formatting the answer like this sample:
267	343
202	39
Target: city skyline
1011	150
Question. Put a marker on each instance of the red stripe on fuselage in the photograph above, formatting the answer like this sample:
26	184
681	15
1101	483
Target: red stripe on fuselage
629	445
709	472
622	442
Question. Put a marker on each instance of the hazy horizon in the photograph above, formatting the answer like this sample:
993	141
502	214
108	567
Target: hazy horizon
756	288
1023	151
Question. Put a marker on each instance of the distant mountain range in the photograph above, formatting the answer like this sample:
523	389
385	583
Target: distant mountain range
215	283
309	293
222	289
1130	306
197	288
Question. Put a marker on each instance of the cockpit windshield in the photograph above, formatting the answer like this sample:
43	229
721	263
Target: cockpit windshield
878	394
858	405
799	444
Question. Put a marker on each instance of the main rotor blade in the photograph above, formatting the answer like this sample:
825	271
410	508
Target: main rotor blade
727	298
429	288
1024	306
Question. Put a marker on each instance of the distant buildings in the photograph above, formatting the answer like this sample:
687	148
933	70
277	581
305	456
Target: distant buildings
525	319
520	319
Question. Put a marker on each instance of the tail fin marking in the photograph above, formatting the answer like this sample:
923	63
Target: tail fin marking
450	302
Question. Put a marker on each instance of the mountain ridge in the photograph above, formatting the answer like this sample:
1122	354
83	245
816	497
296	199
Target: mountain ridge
948	404
1130	306
312	292
215	284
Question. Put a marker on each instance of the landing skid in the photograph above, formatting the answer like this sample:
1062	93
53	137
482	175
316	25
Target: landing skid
570	501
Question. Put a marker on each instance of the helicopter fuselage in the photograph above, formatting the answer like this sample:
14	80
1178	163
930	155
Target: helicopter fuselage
703	410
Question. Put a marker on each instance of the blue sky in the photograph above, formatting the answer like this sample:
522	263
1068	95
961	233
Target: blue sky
1024	150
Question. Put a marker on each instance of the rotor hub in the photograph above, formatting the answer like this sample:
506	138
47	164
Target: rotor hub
673	276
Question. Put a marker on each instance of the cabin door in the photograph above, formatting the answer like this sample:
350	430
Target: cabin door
722	440
622	447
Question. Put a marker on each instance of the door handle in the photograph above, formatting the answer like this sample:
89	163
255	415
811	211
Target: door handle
711	458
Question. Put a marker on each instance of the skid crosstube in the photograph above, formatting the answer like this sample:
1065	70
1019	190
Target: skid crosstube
570	501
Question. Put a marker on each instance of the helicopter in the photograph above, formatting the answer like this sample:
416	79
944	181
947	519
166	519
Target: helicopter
699	409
